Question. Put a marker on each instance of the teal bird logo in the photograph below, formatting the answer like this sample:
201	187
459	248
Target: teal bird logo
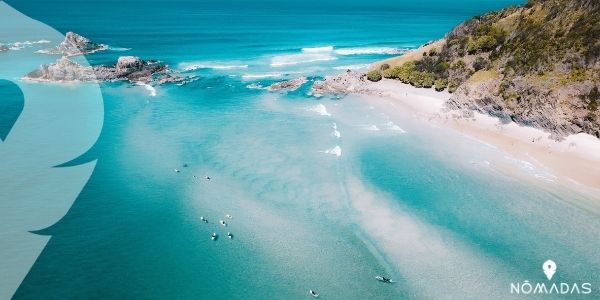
43	126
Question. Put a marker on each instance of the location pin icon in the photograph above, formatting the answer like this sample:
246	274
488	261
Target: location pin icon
549	268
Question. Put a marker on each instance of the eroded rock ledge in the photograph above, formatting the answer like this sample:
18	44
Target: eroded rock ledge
345	83
288	85
73	45
128	68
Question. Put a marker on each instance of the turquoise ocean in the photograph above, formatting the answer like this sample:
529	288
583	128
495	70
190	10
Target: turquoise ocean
324	193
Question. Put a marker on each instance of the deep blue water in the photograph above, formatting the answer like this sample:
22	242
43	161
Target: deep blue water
135	230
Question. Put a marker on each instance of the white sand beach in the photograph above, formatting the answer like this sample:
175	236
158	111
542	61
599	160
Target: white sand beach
574	160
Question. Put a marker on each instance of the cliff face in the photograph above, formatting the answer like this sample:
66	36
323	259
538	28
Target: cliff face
538	65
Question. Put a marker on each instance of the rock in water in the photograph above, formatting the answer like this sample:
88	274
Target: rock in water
129	68
64	70
133	69
129	64
289	85
75	44
3	48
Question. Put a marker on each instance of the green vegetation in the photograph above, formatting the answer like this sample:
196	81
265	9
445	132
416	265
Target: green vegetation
593	99
441	84
517	41
524	62
480	64
374	76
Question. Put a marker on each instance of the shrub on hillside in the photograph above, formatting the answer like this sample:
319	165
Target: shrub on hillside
374	76
440	84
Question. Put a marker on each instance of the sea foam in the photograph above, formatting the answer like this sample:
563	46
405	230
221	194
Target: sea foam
193	66
337	151
149	88
352	67
370	50
320	109
394	127
22	45
328	53
295	59
307	55
336	132
262	75
317	49
255	86
118	49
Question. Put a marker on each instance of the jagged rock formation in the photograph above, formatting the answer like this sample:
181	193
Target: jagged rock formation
128	68
345	83
75	44
288	85
64	70
536	64
131	68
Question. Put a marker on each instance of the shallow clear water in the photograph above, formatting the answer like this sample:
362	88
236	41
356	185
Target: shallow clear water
418	203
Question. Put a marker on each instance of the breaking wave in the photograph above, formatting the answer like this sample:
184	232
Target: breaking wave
193	66
353	67
320	109
255	86
301	58
370	50
22	45
394	127
328	53
151	90
336	132
317	49
262	75
337	151
118	49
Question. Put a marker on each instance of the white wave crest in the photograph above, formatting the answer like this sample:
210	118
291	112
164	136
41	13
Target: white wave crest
149	88
369	50
353	67
320	109
337	151
394	127
22	45
255	86
336	132
317	49
262	75
372	128
118	49
192	66
301	58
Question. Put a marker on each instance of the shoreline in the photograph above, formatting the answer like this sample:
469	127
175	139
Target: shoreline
574	160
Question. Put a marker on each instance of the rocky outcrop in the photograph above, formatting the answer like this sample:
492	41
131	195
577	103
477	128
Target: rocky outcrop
537	64
345	83
131	68
64	70
560	111
288	85
75	44
128	68
3	48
